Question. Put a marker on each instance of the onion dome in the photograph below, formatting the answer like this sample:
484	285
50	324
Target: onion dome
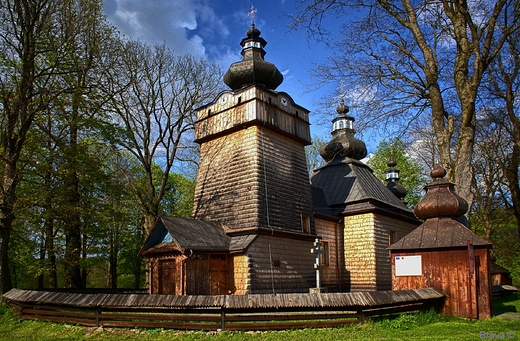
392	180
343	143
440	199
253	69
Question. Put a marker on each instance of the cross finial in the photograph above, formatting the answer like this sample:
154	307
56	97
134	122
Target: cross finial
252	13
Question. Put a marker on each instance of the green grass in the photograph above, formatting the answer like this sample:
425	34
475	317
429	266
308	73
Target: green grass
509	304
422	326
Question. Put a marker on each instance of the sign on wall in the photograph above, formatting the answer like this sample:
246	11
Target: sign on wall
408	266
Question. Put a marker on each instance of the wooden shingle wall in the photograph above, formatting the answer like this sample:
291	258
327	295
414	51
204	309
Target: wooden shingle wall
333	276
280	265
239	274
383	225
367	260
237	170
360	256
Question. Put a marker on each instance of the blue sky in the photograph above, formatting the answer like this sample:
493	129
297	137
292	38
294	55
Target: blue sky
213	30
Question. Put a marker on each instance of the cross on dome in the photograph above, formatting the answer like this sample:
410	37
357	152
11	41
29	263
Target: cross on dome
251	14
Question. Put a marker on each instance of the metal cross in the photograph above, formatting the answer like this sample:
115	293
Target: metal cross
251	14
317	250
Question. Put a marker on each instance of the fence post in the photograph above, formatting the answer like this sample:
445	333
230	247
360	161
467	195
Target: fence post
360	316
98	312
222	318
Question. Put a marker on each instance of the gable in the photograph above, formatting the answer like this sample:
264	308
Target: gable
181	234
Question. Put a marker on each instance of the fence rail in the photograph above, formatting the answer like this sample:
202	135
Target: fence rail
224	317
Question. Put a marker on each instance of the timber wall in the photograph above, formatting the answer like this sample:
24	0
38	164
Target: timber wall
383	267
367	260
333	276
447	271
280	265
252	178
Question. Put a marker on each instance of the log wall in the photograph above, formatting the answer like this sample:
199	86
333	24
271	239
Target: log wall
447	271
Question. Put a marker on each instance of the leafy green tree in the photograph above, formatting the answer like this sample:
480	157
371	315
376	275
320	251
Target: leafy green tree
29	61
410	172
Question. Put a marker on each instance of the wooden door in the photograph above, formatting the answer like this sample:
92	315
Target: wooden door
167	276
218	275
206	275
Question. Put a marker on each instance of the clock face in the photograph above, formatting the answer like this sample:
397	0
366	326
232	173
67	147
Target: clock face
224	99
284	101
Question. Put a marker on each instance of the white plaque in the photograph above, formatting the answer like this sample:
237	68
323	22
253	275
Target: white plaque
408	266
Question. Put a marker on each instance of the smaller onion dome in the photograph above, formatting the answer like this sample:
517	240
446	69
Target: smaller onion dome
343	143
253	69
392	180
440	199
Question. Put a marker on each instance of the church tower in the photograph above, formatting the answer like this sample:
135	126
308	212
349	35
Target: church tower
253	171
253	177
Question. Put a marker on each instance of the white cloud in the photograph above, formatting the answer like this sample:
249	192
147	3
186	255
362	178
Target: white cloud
182	24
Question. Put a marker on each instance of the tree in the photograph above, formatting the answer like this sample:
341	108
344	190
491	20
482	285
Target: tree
155	110
28	60
312	153
410	172
503	88
405	59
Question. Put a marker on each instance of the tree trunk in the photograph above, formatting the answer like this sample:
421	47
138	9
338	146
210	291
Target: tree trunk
73	219
51	254
149	222
6	219
113	257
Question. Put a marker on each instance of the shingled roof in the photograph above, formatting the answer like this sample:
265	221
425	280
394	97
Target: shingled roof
439	233
348	185
180	234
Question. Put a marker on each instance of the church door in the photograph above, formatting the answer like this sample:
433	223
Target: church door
206	275
167	274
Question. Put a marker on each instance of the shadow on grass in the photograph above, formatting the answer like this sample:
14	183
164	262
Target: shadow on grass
506	303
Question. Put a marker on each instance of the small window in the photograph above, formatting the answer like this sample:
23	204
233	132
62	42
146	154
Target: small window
324	257
306	223
392	237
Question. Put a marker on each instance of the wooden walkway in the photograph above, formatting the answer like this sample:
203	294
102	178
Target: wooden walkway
276	311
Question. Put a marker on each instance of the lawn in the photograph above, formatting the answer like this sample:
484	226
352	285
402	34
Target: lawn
422	326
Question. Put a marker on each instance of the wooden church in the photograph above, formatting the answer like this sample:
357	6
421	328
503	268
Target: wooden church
256	215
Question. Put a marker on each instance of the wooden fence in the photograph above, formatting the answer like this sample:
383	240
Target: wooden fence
224	312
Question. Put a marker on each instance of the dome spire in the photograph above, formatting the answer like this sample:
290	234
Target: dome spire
392	180
253	69
343	143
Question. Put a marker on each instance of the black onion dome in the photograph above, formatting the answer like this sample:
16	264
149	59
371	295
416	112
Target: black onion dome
253	69
343	143
392	180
